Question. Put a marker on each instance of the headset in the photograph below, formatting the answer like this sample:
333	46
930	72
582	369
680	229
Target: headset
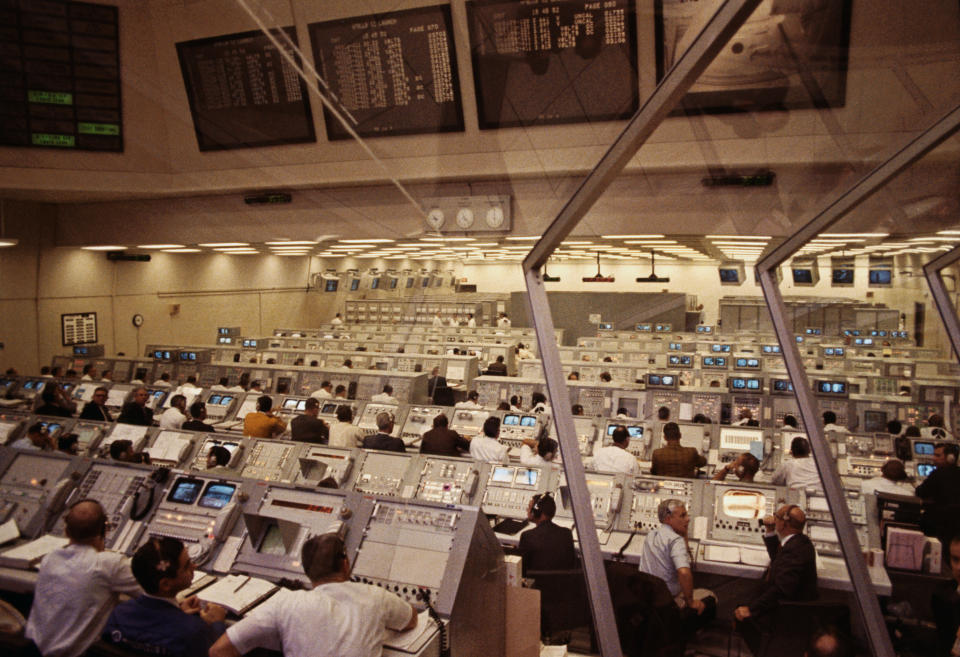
537	509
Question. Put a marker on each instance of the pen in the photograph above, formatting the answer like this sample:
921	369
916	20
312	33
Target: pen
242	584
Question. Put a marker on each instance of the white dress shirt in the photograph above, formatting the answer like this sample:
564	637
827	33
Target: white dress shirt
615	459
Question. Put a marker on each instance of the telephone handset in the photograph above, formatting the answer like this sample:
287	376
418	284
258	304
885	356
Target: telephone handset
616	498
470	485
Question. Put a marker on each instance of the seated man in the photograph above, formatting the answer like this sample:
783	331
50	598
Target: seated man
53	401
135	411
799	471
385	397
37	438
546	451
486	447
155	622
77	586
442	440
198	413
335	617
666	555
309	428
472	402
383	440
343	433
745	466
218	460
498	367
674	460
122	450
325	391
96	408
892	479
263	423
615	457
792	574
174	417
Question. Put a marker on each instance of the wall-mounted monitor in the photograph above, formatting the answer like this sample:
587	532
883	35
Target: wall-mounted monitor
771	349
661	381
805	274
714	362
675	346
833	352
393	283
409	282
746	363
605	326
880	277
842	276
374	283
331	284
243	92
680	360
704	328
832	388
354	284
813	331
538	63
425	281
744	384
720	348
662	328
394	73
644	328
874	421
781	386
731	273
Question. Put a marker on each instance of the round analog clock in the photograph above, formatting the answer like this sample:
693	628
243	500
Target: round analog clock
435	218
138	320
465	218
494	217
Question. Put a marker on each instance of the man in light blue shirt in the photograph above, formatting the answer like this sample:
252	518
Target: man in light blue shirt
665	556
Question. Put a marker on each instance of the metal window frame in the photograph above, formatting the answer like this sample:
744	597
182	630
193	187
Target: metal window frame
941	298
832	211
716	32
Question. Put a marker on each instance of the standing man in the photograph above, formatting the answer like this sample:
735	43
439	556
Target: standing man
674	460
335	617
77	586
135	411
383	440
174	417
308	428
666	555
263	423
615	457
792	574
96	408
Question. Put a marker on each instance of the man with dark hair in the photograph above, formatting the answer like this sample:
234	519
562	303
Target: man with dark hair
340	392
135	411
799	471
198	413
343	433
945	603
538	403
77	586
385	397
547	546
325	391
37	438
155	622
309	428
89	372
335	617
935	429
792	574
472	402
262	423
443	441
69	444
497	367
218	460
830	423
892	479
674	460
486	447
615	457
894	427
382	440
546	450
96	408
174	417
745	466
52	396
122	450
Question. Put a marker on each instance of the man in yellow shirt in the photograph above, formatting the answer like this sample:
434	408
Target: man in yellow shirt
263	423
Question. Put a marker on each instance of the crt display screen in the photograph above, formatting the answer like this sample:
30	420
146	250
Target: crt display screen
527	476
511	420
880	276
874	420
217	495
502	475
924	469
923	448
528	421
729	276
843	277
743	504
803	276
272	542
185	491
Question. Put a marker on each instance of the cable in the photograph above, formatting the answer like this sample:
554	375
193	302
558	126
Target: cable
424	595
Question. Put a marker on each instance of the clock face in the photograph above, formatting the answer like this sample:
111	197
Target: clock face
494	217
435	218
138	320
465	217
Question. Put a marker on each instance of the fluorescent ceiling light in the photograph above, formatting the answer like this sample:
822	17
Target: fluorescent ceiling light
522	239
863	235
292	253
161	246
214	245
448	239
632	237
8	241
292	243
739	237
183	250
105	247
370	241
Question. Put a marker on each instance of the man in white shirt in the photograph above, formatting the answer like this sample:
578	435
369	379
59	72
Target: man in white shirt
385	397
503	321
77	586
437	322
471	322
472	401
324	392
799	471
830	423
892	479
343	433
337	320
615	457
163	381
89	372
335	617
486	447
174	417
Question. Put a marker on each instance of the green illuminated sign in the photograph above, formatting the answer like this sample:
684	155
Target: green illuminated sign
50	97
98	129
44	139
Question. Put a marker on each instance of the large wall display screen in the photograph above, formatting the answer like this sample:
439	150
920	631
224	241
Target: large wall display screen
60	75
539	62
391	74
788	55
244	93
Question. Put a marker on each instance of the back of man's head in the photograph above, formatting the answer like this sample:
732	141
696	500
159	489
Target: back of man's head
344	413
750	464
35	428
491	427
663	413
794	519
322	556
935	420
178	401
388	389
384	421
829	417
671	431
440	421
499	359
264	403
538	398
893	470
547	448
49	394
620	434
119	448
221	454
913	431
544	506
827	643
325	385
340	389
85	522
790	421
894	427
157	558
799	447
197	409
311	404
473	395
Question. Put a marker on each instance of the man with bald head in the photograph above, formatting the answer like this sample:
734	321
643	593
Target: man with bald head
792	574
77	586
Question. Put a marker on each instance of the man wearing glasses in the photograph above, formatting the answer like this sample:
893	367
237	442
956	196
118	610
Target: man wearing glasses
792	574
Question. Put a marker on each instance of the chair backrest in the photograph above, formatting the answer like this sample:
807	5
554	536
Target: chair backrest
794	623
564	604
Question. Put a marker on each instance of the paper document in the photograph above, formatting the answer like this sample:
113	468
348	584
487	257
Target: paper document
722	553
238	593
28	555
412	640
9	531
